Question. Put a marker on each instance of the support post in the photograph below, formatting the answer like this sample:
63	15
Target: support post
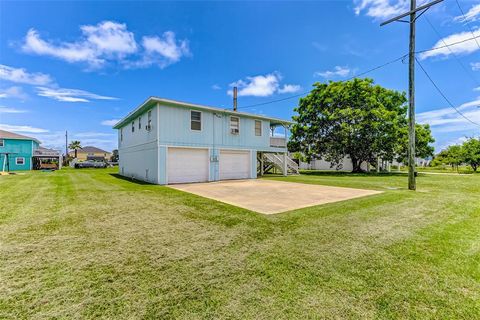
285	168
261	164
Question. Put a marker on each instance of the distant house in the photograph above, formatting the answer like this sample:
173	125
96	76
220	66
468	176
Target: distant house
19	152
91	153
165	141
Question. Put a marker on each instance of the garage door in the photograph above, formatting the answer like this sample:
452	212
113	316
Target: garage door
234	164
187	165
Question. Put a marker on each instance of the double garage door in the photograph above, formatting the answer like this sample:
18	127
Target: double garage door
192	165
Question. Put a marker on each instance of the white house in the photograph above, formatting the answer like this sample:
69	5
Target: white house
166	141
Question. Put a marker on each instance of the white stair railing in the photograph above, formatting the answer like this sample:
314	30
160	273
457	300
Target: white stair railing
277	160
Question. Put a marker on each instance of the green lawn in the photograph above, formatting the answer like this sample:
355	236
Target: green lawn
87	244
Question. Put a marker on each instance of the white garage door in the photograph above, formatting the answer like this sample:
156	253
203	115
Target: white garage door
187	165
234	164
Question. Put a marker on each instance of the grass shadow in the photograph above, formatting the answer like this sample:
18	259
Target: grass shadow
140	182
350	174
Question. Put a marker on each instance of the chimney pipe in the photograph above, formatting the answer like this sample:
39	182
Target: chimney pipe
234	98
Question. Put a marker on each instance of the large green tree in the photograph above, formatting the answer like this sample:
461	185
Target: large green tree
353	118
423	139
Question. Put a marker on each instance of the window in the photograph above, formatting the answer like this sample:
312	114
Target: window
234	125
2	143
149	120
133	126
258	127
139	122
196	120
121	134
20	161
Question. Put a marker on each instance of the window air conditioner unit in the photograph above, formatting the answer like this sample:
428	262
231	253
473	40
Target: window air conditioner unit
234	131
148	127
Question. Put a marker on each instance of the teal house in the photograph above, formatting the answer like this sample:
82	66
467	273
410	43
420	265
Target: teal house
16	151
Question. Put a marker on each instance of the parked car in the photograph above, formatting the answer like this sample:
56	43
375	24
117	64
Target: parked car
90	164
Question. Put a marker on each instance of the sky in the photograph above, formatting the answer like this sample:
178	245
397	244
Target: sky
82	66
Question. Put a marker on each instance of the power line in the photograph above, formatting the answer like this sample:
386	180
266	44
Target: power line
306	92
444	96
448	45
467	23
467	71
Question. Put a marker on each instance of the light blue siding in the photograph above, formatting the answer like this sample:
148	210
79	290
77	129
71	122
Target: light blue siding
19	149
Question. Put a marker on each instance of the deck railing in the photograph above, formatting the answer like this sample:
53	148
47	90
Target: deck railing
278	142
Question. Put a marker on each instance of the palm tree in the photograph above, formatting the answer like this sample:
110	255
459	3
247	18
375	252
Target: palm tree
75	145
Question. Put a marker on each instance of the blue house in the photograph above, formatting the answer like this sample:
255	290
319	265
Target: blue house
166	141
16	151
19	152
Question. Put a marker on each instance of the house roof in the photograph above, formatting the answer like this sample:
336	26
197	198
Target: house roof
91	149
11	135
153	100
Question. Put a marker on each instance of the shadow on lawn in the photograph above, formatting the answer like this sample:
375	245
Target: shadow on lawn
118	176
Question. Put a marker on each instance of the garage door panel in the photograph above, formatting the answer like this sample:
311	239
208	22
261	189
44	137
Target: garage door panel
187	165
234	164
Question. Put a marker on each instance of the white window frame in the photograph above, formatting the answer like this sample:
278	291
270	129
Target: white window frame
133	126
139	122
230	125
2	142
20	164
261	128
201	121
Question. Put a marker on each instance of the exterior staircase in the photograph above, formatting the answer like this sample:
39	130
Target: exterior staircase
274	162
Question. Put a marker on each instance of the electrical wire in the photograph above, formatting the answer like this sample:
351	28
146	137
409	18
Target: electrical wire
467	23
444	96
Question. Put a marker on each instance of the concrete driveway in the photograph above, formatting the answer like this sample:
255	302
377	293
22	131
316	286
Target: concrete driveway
270	196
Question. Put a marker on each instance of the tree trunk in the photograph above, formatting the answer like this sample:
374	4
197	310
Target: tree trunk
356	166
75	153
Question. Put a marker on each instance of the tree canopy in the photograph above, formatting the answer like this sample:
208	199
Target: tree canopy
353	118
455	155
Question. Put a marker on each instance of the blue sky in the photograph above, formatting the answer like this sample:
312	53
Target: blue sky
79	66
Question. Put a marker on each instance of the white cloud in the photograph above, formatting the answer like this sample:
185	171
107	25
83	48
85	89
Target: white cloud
289	88
13	92
338	71
91	134
70	95
20	75
164	50
216	87
110	42
475	65
471	15
381	9
110	122
448	120
4	109
25	129
262	86
466	47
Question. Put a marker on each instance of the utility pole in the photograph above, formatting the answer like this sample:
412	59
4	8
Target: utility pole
412	185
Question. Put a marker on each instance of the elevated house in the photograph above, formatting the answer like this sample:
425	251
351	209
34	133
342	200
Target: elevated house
166	141
19	152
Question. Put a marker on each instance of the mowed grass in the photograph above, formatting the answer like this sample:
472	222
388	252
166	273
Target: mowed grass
87	244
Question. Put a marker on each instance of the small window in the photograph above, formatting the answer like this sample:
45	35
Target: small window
149	120
196	120
234	125
2	143
133	126
20	161
258	127
139	123
121	134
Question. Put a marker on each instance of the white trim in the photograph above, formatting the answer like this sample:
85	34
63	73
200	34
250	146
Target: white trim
19	164
3	142
158	147
201	120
